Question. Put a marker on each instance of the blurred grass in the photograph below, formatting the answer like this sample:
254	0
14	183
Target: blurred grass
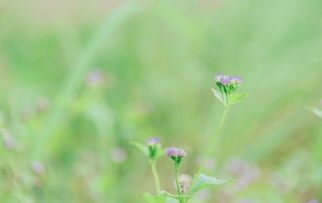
159	58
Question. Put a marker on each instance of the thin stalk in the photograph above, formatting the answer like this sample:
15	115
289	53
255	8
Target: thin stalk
211	145
156	177
177	167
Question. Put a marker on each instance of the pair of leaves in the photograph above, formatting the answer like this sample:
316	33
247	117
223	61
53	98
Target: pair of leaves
207	181
232	98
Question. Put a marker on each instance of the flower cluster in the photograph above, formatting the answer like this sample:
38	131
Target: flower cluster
227	84
176	154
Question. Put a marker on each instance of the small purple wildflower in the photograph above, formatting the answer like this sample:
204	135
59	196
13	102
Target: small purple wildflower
227	80
153	141
172	151
175	152
181	153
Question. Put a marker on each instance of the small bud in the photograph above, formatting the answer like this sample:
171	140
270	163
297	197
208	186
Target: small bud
153	141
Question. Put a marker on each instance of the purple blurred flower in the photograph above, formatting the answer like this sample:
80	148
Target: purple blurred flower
38	167
95	78
8	140
153	141
172	151
313	201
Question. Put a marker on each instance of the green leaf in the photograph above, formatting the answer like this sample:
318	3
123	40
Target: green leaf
237	97
144	149
177	197
206	181
154	199
161	152
316	111
218	95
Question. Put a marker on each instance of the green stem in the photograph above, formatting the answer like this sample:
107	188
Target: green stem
211	145
177	167
156	177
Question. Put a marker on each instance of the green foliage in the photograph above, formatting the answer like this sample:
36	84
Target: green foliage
155	199
204	181
236	97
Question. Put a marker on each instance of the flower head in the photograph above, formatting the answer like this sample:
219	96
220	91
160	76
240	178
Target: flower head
181	153
227	84
153	141
176	154
172	151
184	182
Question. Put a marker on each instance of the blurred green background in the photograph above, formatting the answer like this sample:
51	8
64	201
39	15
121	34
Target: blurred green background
80	79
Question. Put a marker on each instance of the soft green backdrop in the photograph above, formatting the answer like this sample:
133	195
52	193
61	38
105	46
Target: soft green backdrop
158	59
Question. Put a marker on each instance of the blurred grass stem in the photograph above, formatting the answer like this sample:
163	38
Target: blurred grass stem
211	145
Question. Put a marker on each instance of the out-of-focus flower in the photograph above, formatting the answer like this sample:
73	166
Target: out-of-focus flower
38	167
8	140
153	141
96	78
118	155
184	183
313	201
42	104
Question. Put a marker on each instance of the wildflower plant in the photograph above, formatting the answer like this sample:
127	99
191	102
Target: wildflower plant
186	186
152	150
